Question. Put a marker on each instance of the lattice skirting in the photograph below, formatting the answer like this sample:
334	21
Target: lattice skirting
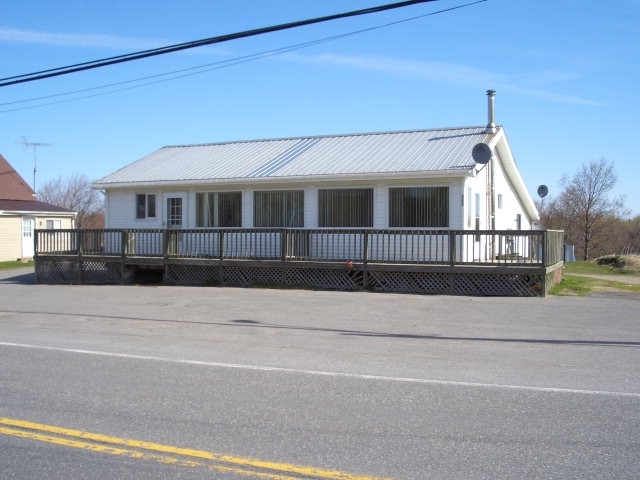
442	283
73	272
70	271
445	283
234	276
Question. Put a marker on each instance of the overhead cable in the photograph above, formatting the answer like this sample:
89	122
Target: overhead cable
30	77
200	69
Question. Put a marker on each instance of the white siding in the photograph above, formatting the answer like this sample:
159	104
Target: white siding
121	204
380	207
311	207
456	218
121	210
511	205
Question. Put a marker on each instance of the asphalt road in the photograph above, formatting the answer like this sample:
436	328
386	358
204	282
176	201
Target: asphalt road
233	383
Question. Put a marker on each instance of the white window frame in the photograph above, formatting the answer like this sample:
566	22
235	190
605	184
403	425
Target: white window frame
148	212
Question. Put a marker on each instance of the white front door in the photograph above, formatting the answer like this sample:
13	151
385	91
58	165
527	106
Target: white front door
175	210
174	219
28	224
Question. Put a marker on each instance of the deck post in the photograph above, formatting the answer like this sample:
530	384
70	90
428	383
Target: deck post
545	247
452	261
365	259
79	234
221	256
36	235
124	241
284	239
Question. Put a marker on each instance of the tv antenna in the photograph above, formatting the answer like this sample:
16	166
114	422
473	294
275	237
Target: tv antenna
35	145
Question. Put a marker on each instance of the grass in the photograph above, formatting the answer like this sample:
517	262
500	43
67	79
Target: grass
574	283
15	264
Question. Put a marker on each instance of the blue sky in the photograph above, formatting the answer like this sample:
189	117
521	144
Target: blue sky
567	76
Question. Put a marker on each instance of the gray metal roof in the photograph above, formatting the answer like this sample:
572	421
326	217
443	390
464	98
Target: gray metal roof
391	153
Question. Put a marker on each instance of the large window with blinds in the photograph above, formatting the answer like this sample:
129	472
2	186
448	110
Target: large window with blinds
284	208
219	209
345	207
419	207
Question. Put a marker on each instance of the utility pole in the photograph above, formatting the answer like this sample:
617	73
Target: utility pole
34	145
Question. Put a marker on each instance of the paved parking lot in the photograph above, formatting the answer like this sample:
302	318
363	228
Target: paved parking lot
559	342
394	386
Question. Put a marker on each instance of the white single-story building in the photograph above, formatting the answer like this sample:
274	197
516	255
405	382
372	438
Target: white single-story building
405	179
428	211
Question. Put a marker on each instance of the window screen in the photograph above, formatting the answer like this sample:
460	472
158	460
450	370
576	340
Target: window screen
347	207
419	207
278	208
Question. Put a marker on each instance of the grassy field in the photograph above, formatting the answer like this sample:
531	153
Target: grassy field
602	274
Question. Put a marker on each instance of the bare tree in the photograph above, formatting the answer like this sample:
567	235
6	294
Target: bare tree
585	210
75	193
628	238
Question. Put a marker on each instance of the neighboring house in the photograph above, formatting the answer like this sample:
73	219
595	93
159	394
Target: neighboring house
21	213
405	179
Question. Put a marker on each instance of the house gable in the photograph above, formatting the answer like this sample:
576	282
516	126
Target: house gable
12	185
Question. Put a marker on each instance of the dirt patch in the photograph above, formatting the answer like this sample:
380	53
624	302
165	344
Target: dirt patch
624	263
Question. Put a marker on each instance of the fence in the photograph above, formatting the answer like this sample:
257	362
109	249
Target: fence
452	247
357	250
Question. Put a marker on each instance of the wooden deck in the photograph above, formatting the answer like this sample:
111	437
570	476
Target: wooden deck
450	262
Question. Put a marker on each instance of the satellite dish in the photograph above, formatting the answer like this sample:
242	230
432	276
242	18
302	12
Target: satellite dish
481	153
543	191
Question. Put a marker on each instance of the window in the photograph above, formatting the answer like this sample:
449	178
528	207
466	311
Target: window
279	208
500	200
145	205
347	207
53	224
222	209
419	207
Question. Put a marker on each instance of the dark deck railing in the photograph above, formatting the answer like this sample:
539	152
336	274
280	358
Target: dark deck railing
542	248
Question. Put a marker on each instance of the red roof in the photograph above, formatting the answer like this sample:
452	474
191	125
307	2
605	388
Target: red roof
17	196
12	185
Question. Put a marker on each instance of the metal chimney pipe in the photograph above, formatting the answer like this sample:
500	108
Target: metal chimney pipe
491	126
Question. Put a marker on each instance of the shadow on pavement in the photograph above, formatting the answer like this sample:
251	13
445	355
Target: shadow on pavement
21	276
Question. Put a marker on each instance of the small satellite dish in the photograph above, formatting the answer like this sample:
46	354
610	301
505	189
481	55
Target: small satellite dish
543	191
481	153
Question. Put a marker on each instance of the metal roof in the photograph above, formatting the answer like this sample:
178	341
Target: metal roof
335	156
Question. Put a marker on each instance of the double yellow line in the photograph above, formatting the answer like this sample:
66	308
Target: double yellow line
182	457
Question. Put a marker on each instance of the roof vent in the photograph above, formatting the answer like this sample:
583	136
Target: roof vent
491	126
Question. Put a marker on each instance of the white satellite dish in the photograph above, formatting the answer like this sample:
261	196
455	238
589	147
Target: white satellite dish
481	153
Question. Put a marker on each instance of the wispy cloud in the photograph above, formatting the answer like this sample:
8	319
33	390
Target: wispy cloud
19	36
462	75
90	41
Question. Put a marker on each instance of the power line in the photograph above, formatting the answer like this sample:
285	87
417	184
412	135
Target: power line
30	77
200	69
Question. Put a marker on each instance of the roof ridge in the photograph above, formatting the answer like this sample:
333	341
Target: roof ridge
337	135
